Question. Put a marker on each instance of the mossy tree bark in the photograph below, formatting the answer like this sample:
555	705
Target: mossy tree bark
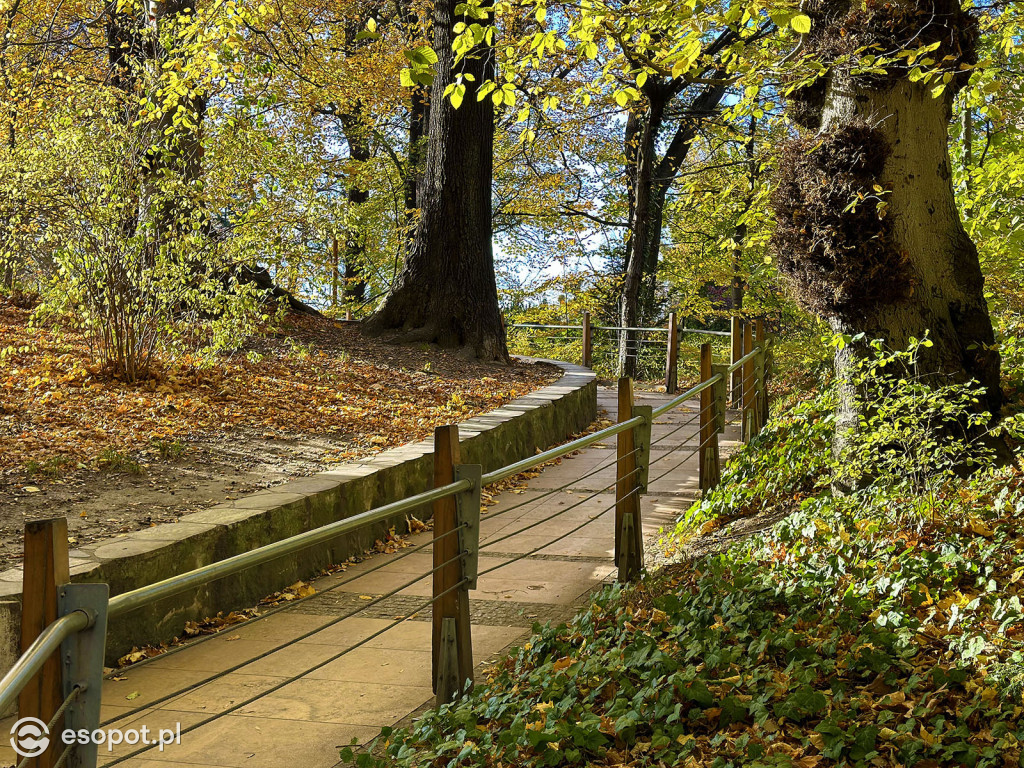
898	264
446	292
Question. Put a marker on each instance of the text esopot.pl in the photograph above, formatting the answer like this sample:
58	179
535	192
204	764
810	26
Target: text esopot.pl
30	737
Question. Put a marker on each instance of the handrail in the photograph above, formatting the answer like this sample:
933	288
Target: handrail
36	655
695	390
745	359
136	598
540	325
558	451
617	328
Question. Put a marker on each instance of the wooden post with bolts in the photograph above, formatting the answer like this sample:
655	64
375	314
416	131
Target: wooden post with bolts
628	534
736	352
708	455
452	646
46	568
672	355
748	399
588	342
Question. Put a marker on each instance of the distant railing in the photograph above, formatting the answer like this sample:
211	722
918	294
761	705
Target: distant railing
599	346
64	687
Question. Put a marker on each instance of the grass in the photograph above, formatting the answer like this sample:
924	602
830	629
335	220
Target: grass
169	450
53	467
112	460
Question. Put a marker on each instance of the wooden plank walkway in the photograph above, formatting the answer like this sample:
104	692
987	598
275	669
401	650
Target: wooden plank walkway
306	721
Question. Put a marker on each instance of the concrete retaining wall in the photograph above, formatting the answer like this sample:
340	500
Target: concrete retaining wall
510	433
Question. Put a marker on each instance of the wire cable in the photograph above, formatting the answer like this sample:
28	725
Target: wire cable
53	724
560	512
698	414
688	456
295	678
565	535
282	646
535	499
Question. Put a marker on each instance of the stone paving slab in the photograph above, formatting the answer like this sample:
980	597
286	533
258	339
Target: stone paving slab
305	722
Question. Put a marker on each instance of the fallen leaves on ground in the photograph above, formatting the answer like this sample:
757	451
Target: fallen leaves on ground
59	412
853	632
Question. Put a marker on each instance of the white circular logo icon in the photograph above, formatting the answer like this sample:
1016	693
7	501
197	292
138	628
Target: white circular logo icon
30	737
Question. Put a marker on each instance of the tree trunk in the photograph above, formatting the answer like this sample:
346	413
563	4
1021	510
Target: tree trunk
178	150
901	268
649	182
8	259
447	292
357	194
942	267
740	233
641	136
419	119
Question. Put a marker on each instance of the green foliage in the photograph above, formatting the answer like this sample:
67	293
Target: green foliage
914	432
782	465
53	467
834	635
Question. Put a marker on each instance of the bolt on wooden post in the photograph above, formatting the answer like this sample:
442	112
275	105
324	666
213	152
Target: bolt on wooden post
708	455
588	342
452	645
628	533
672	356
46	568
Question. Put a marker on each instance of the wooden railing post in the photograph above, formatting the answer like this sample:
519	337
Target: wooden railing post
588	342
708	468
672	356
629	551
452	646
749	404
736	352
46	569
761	337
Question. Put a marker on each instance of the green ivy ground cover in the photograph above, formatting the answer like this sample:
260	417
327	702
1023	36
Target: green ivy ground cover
853	632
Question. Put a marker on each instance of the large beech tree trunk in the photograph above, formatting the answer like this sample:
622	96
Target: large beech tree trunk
907	267
446	292
947	300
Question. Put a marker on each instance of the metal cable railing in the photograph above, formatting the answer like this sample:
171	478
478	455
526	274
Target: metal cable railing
559	513
82	610
384	563
650	351
561	537
552	491
696	417
136	598
304	636
294	678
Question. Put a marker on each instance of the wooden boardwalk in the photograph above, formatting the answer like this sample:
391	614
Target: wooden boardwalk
305	721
